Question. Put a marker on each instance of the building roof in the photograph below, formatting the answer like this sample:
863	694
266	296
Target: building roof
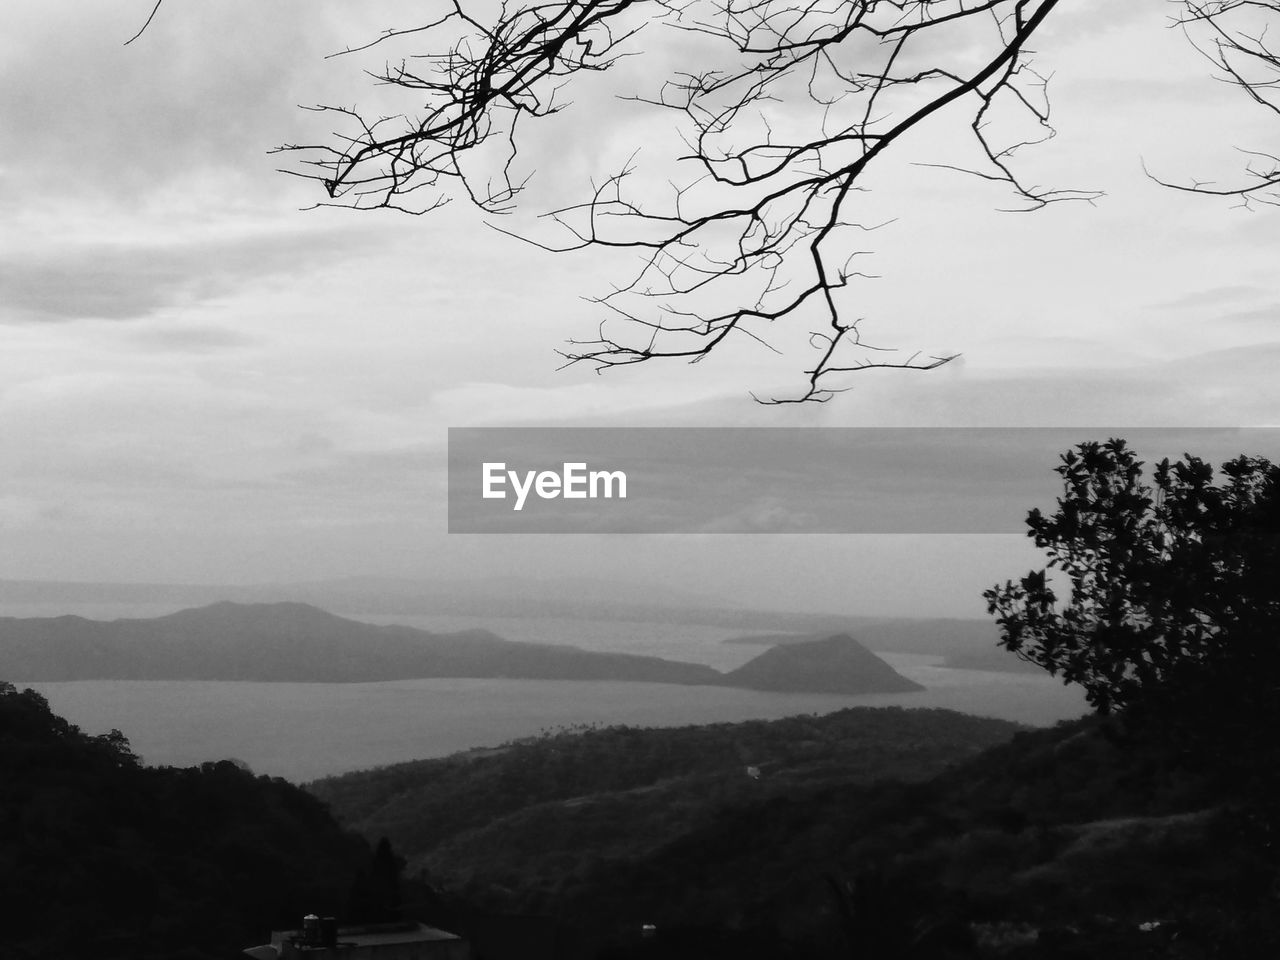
368	935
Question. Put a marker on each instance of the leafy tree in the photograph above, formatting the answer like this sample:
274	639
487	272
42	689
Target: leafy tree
375	895
101	856
1173	611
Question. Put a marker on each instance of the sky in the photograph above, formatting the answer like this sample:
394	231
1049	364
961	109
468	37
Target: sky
201	381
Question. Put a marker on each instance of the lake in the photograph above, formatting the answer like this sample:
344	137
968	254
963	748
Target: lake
306	730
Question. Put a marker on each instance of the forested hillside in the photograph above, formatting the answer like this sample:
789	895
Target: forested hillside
866	833
883	833
535	814
103	858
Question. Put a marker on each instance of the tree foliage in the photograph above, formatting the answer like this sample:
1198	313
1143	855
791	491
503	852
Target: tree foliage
431	808
1172	609
103	857
925	821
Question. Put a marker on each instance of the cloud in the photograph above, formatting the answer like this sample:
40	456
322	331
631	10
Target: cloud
190	338
764	515
1211	297
105	280
209	86
1268	314
592	401
1217	387
1091	20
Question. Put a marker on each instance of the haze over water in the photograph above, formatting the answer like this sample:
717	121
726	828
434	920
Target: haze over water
301	730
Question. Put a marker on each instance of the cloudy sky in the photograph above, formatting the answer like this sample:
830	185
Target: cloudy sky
201	382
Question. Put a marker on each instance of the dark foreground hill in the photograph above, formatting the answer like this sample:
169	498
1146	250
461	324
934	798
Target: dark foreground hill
103	858
813	838
301	643
884	834
535	814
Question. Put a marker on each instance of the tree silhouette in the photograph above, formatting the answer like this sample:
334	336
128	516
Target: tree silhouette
102	856
1172	616
384	881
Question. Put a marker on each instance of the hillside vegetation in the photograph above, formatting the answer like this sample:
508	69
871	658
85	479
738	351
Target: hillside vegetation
103	858
878	833
871	833
535	812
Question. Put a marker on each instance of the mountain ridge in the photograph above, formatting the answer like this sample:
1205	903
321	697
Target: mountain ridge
492	597
289	641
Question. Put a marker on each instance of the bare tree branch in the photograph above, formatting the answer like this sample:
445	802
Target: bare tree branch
755	237
1233	35
143	29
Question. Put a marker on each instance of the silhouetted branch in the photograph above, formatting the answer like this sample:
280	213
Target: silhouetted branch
755	234
143	29
1233	36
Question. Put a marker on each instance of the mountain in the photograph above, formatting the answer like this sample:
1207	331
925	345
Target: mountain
375	592
105	858
554	806
774	639
280	642
837	664
962	644
570	598
879	833
297	642
941	636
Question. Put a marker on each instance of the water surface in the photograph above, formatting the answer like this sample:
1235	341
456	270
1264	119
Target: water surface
306	730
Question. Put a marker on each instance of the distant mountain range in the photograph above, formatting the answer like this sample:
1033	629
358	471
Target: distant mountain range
301	643
491	597
962	643
573	598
